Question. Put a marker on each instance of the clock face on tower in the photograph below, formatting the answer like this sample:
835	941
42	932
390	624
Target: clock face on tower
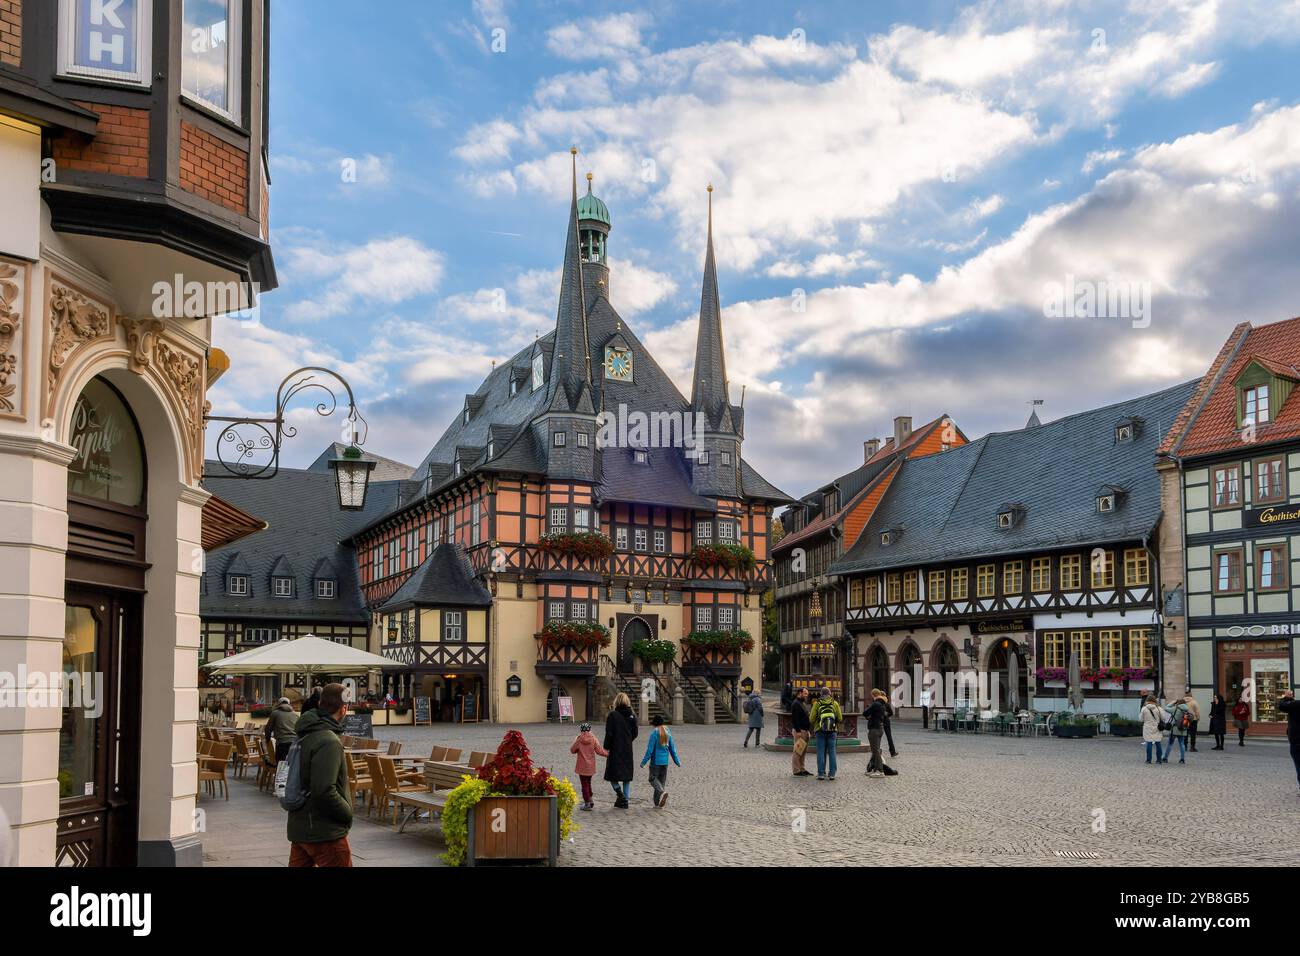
618	363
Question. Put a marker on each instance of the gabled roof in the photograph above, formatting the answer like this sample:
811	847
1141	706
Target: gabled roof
857	484
386	469
304	529
1208	424
947	504
443	579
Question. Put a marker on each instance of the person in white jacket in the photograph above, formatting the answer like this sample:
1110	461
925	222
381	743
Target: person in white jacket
1152	715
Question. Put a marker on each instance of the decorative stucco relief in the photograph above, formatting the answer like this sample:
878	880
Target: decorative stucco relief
75	321
13	281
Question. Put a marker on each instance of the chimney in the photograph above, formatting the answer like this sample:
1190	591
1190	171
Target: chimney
902	429
869	449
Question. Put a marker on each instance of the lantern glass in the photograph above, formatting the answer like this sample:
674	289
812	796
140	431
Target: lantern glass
352	475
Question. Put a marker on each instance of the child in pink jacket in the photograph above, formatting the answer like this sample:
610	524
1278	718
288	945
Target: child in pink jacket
588	748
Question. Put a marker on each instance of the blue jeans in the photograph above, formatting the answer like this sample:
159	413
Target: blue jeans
1159	751
622	788
825	748
1182	747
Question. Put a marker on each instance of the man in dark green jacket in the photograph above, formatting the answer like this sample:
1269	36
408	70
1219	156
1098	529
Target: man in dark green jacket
319	831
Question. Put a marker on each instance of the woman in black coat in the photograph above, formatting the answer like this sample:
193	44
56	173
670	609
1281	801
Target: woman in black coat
620	731
1218	720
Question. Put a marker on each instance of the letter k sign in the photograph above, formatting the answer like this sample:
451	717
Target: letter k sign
106	10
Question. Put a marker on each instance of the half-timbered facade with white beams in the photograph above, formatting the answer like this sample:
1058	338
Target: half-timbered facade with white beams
1230	471
1037	545
598	506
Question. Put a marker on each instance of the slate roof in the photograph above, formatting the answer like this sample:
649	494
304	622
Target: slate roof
579	388
386	469
946	505
662	480
852	486
1208	423
444	578
304	529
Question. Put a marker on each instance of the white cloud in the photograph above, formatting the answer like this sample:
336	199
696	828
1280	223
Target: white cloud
384	271
1100	157
825	264
982	208
598	38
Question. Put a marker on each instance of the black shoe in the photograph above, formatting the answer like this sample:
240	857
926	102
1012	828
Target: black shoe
620	804
745	744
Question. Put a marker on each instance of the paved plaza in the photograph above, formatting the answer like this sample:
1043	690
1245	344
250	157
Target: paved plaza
959	799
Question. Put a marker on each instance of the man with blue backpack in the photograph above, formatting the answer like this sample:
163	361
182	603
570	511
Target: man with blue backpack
316	786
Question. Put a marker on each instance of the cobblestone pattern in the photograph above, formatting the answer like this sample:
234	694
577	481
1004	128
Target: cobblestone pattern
959	800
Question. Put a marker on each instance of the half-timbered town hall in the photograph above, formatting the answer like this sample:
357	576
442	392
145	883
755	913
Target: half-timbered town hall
577	508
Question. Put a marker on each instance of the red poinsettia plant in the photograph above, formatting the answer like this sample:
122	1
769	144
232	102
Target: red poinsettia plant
511	771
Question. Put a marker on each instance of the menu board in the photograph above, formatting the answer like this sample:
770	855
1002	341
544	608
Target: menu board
422	712
566	708
358	725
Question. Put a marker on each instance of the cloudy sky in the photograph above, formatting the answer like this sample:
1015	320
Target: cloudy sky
900	188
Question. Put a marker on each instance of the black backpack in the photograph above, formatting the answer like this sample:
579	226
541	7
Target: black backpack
294	795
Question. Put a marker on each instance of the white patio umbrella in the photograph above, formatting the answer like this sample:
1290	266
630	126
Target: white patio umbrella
1013	681
304	655
1075	692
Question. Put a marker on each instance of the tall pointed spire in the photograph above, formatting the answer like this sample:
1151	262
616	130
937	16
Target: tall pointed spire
709	390
571	362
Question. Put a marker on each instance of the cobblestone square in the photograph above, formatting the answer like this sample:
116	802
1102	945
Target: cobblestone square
958	800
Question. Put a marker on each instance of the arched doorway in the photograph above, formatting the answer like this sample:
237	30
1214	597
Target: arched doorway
633	631
946	665
911	664
103	646
877	670
999	671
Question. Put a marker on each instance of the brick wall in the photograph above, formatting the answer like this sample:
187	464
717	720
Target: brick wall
121	146
11	32
214	169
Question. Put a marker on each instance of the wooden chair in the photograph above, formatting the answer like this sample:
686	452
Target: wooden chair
245	756
438	753
360	782
452	755
371	744
345	740
212	768
394	748
394	786
478	758
266	772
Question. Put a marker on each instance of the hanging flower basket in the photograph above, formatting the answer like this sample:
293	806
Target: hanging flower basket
584	545
732	557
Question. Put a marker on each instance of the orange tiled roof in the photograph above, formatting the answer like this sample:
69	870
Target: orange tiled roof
1208	423
886	451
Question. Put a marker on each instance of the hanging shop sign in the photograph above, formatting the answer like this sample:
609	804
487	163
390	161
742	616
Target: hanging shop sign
1271	517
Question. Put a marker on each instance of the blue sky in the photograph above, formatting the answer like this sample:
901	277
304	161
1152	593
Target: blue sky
896	186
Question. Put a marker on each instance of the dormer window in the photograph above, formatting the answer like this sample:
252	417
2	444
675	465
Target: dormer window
326	588
1128	429
1006	519
514	386
464	416
1123	433
888	537
1105	503
460	468
282	587
237	585
1010	515
1254	404
640	457
492	449
539	371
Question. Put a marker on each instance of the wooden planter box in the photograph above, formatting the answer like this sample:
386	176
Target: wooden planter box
1120	731
514	829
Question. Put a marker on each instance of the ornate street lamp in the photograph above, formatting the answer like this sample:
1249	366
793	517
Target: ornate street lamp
250	447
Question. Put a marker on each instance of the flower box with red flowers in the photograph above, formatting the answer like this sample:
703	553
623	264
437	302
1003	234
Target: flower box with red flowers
584	545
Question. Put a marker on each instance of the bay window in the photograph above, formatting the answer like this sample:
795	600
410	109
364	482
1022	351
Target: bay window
211	55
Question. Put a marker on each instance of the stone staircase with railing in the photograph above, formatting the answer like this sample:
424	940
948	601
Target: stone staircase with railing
611	682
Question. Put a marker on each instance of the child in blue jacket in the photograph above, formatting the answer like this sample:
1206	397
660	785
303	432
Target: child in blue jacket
658	749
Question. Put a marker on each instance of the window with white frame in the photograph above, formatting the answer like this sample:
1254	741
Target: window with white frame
639	539
661	542
110	41
211	70
282	587
476	529
559	520
584	440
703	458
237	585
453	625
726	618
261	635
620	539
727	532
579	612
704	532
581	519
726	457
326	588
640	457
704	618
556	612
559	438
539	371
